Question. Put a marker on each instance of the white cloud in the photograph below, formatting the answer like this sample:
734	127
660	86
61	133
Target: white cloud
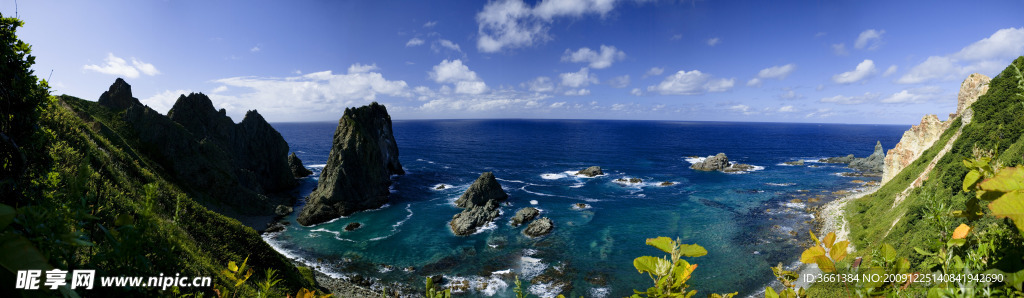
786	109
557	105
916	95
821	113
714	41
163	101
889	71
119	67
540	84
578	79
430	24
454	72
676	37
255	49
790	94
447	44
741	108
514	24
820	87
654	71
495	101
597	60
989	55
691	82
636	91
579	92
619	82
777	72
755	82
840	49
850	100
865	69
294	97
361	68
414	42
870	39
219	89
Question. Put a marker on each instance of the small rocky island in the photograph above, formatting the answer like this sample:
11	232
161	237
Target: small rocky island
363	157
873	165
298	170
539	227
591	172
720	162
481	203
524	215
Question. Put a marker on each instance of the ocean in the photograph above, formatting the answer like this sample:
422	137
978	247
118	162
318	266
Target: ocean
746	221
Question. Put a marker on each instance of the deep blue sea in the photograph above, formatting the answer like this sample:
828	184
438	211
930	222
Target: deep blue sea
744	220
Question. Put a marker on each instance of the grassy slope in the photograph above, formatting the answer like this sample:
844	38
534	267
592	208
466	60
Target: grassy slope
997	128
102	170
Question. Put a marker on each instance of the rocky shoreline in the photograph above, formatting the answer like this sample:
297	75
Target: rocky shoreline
830	218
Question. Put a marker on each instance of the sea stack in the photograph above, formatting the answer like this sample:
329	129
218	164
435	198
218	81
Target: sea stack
481	203
873	164
363	157
298	170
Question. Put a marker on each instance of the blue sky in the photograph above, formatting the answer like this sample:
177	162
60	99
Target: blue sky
775	61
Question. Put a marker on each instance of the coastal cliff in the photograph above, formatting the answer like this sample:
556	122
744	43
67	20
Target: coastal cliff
223	163
921	137
363	157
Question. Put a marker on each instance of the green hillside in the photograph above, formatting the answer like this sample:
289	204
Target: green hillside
79	191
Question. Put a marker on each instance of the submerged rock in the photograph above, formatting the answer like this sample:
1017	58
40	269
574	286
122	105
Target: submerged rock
667	183
873	164
440	187
841	159
591	171
298	170
539	227
628	181
352	226
795	163
481	201
363	157
524	215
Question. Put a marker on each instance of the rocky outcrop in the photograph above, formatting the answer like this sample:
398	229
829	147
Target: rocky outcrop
720	162
922	136
872	164
282	210
119	96
298	170
591	171
481	203
539	227
973	87
795	163
524	215
840	159
363	157
235	168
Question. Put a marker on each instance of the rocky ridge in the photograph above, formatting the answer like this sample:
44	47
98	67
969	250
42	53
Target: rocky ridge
922	136
236	167
872	164
363	157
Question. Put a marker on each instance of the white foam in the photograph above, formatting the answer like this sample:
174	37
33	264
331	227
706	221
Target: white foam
780	184
489	226
693	160
543	290
271	240
502	272
625	181
317	165
533	202
476	283
794	205
530	267
446	187
754	168
578	185
600	292
577	207
550	176
577	175
537	193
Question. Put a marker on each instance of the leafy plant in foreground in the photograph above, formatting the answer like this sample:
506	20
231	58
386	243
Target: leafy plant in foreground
669	274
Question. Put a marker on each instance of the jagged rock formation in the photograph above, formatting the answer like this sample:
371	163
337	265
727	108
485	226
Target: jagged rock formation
720	162
840	159
591	171
363	157
481	204
539	227
872	164
219	161
922	136
524	215
298	170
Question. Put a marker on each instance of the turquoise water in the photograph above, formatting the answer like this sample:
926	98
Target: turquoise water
744	220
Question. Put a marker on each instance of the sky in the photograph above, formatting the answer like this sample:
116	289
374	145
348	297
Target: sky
872	62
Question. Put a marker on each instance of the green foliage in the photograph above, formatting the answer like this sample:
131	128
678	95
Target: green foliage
788	279
432	291
668	274
23	94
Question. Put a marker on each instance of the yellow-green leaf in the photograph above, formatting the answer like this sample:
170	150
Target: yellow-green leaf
1007	180
838	251
1010	205
653	265
692	250
972	177
770	293
809	255
665	244
888	253
814	238
825	264
232	266
829	240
